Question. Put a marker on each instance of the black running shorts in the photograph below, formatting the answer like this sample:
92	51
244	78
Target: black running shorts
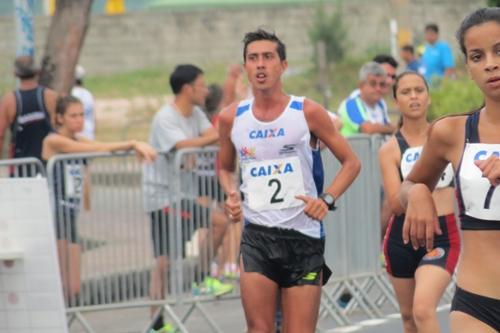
285	256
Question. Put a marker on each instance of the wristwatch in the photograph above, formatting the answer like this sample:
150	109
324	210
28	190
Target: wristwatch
329	200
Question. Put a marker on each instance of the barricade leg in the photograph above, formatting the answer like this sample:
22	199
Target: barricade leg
204	313
387	293
329	307
80	318
362	298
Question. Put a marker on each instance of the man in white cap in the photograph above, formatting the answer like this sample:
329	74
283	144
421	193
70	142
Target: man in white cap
88	103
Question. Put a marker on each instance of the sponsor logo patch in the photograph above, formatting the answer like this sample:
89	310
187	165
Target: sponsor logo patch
435	254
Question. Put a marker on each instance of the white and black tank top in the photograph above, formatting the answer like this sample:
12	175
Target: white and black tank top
410	155
277	163
478	200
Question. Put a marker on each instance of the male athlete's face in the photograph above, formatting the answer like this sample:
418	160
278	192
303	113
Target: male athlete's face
482	44
372	88
72	119
263	64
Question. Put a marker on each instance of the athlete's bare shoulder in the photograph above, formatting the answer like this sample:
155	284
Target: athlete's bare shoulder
311	107
448	131
316	116
226	118
389	149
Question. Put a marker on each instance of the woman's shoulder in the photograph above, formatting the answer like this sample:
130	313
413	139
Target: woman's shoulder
389	148
449	128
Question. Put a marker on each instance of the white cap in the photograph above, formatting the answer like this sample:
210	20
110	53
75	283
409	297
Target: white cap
79	72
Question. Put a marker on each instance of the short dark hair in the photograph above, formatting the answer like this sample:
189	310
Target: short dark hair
386	59
182	75
433	27
408	48
480	16
25	67
261	34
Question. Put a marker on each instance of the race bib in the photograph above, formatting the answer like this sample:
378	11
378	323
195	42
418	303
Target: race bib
273	184
481	199
411	156
73	180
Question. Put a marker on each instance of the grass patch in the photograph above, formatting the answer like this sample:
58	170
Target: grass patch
455	96
143	82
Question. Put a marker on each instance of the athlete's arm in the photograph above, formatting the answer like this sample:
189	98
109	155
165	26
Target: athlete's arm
374	128
322	127
56	143
389	159
227	159
7	114
421	220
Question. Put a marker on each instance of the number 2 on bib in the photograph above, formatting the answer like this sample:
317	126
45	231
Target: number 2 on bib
274	198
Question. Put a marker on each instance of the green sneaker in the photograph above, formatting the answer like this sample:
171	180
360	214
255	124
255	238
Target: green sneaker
216	287
167	328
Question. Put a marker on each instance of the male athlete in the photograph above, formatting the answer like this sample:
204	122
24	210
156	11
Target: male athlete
276	137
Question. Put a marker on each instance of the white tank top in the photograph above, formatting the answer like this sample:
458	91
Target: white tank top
480	199
411	156
277	164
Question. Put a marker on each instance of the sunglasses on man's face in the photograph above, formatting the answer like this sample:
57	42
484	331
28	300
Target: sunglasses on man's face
374	84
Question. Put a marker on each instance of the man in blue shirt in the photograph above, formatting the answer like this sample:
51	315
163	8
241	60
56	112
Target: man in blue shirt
407	53
437	60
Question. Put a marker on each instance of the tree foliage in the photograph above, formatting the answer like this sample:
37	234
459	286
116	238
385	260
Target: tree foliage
330	29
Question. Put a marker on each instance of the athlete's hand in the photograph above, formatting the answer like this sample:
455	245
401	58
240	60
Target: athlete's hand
421	221
315	207
490	168
233	207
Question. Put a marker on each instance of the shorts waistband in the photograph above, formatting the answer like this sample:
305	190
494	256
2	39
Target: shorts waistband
442	219
491	300
275	231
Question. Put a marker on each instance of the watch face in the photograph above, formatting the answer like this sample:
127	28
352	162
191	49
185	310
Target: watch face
328	199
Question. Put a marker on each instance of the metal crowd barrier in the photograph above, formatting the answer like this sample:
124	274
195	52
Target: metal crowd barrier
22	167
106	250
353	242
105	234
214	237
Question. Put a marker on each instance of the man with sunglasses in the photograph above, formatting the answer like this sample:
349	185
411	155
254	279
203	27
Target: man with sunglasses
366	112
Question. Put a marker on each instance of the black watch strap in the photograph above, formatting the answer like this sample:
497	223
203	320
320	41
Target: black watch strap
329	200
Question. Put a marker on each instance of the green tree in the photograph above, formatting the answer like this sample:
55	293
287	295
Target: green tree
494	3
330	29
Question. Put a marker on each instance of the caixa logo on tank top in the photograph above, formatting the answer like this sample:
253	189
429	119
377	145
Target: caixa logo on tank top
267	133
411	156
273	184
480	198
271	169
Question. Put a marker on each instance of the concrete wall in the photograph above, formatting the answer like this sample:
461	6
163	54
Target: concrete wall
145	39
